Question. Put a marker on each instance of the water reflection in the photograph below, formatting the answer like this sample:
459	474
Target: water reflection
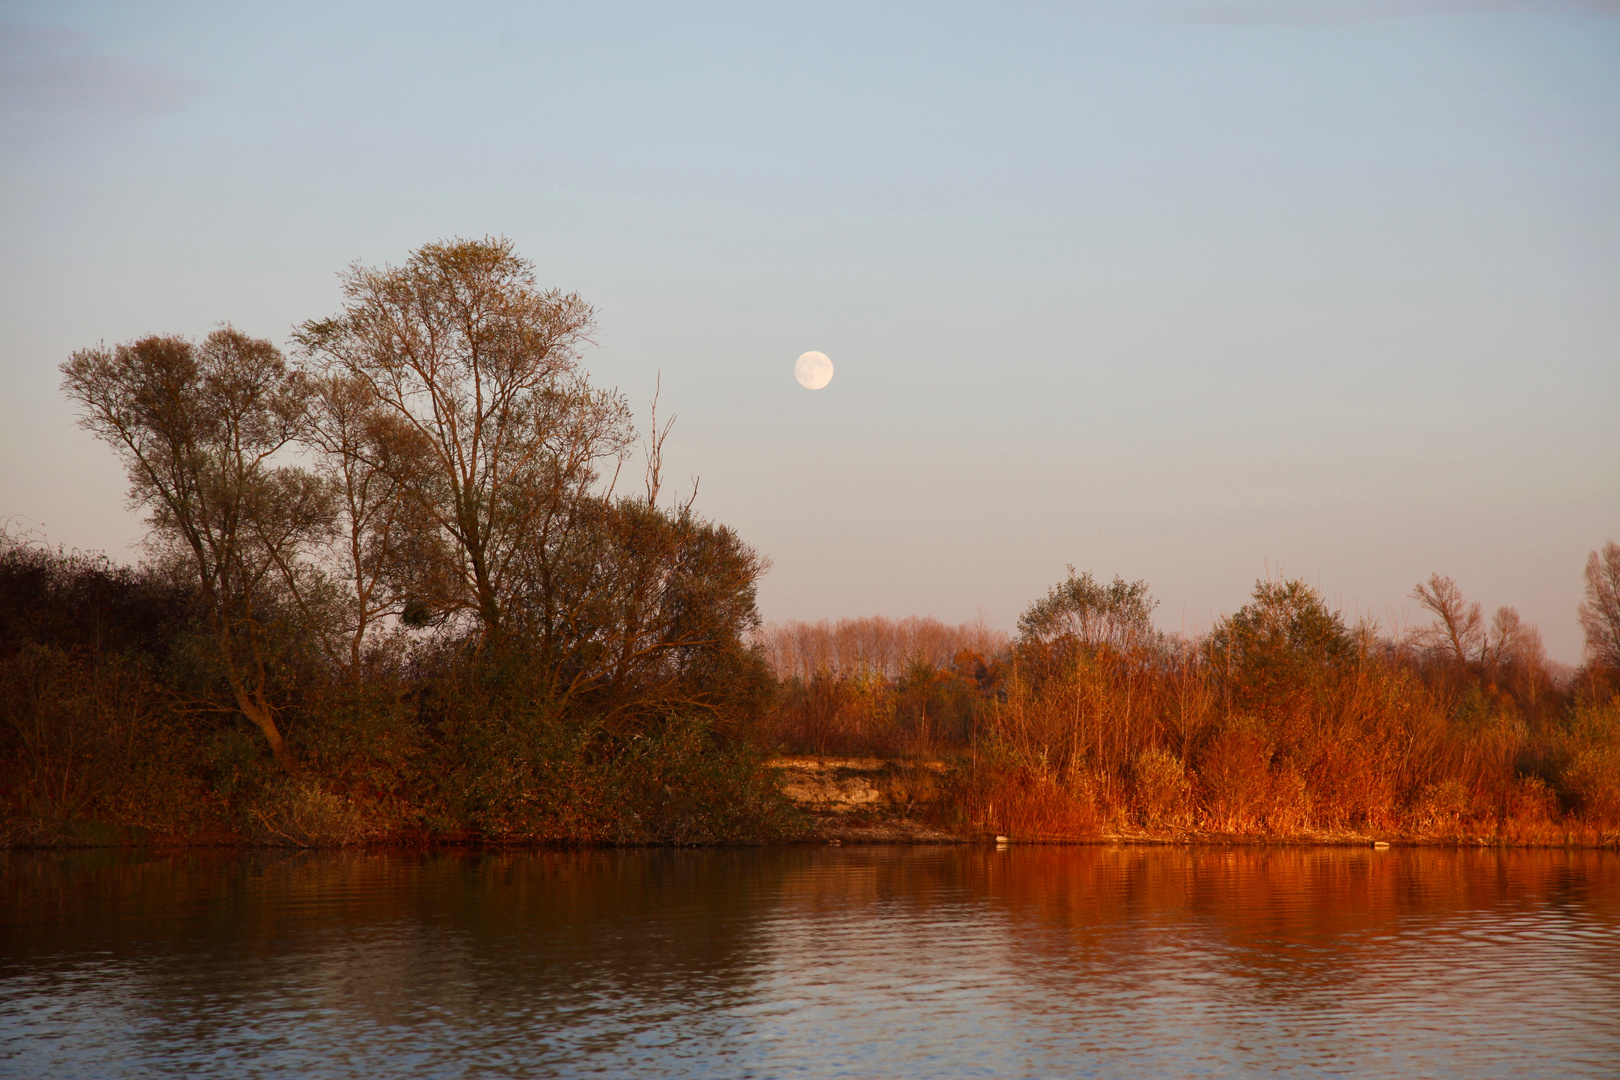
813	962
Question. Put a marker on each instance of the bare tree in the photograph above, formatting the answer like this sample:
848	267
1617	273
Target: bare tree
872	646
1460	628
479	368
198	428
653	447
1600	610
1517	658
1514	642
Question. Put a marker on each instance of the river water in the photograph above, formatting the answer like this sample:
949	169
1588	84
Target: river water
813	962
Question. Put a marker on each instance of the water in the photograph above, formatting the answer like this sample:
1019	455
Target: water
813	962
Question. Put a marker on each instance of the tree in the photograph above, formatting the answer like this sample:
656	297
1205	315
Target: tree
1280	644
1081	612
1514	642
199	428
1460	627
644	611
1600	610
353	439
499	435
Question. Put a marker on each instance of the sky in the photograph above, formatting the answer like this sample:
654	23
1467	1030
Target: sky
1191	292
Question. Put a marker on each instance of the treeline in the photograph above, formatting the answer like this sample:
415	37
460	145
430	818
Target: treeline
1281	721
390	592
872	647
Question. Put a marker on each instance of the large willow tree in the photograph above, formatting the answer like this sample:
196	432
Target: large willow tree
497	436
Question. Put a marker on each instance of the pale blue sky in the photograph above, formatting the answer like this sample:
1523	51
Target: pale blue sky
1190	292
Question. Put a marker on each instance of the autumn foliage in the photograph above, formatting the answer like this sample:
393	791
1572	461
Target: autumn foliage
1282	721
392	592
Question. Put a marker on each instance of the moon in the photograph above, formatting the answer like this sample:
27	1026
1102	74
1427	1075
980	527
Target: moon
813	370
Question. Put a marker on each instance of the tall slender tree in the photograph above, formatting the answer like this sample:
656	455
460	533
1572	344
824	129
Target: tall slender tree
1459	626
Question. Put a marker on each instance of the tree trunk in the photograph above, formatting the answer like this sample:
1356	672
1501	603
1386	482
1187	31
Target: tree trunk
264	719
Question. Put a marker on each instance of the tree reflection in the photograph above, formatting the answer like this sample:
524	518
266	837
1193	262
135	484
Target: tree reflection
868	959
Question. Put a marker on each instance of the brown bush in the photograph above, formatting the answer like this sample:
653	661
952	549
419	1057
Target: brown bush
1235	769
1030	806
1163	792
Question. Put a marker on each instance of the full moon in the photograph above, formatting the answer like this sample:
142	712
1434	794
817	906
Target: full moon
813	370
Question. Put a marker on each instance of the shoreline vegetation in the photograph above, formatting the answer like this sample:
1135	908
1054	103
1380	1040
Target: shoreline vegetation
1280	724
392	594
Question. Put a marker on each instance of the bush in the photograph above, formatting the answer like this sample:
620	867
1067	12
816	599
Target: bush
1235	770
1592	778
1163	792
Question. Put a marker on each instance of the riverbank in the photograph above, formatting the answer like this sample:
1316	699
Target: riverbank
823	799
891	800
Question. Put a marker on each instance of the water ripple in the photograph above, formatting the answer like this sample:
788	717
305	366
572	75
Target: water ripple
807	962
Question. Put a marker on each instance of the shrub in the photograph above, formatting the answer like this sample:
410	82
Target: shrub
1235	771
1163	792
1592	777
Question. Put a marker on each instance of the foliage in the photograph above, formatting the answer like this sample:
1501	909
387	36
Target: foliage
1079	612
398	559
402	559
636	609
1282	721
198	428
1278	649
490	431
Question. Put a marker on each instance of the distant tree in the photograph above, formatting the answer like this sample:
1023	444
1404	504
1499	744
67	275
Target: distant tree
499	435
1600	610
1460	626
876	646
1514	641
1517	659
199	428
1080	611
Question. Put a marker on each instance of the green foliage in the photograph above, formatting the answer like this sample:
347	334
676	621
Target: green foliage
1276	649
